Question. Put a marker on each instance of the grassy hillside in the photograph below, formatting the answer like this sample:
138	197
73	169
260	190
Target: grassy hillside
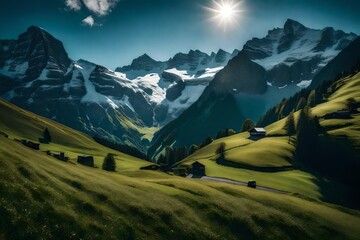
275	151
21	124
42	198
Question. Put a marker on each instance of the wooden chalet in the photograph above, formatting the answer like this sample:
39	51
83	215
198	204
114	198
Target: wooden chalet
86	160
257	132
197	169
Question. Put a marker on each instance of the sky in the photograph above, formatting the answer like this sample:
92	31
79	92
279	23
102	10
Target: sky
113	32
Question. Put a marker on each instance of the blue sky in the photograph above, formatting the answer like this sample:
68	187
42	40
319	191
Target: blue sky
124	29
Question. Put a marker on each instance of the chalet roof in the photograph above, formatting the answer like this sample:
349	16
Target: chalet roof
262	130
196	163
342	111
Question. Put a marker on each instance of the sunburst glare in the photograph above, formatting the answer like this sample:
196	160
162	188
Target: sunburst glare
226	12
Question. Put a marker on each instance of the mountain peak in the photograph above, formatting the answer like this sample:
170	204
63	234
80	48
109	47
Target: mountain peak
144	62
293	26
34	28
221	51
145	56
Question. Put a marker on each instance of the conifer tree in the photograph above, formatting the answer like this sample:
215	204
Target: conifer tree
290	125
193	148
247	125
46	135
109	163
306	137
301	104
311	99
351	104
221	152
206	142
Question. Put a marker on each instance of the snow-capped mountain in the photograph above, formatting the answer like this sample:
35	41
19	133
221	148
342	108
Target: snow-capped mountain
294	54
132	102
172	86
37	74
263	73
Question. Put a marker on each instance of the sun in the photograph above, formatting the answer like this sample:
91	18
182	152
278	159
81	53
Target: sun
225	12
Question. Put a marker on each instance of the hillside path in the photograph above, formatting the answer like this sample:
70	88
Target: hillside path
224	180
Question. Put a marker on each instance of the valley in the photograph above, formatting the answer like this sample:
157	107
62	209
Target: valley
261	141
74	201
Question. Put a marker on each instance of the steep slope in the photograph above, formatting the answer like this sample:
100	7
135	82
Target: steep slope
172	86
42	197
343	63
22	124
294	54
209	113
37	74
264	159
262	74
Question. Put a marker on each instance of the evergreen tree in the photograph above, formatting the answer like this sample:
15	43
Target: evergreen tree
193	148
169	155
220	134
247	125
290	125
109	163
301	104
351	104
46	135
306	137
311	99
225	133
230	132
206	142
221	152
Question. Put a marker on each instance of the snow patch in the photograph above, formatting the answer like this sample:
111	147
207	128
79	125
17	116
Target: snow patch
112	104
304	83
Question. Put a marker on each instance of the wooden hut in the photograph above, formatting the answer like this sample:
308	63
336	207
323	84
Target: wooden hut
86	160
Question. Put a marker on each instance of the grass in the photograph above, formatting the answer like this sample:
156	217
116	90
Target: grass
43	198
22	124
275	151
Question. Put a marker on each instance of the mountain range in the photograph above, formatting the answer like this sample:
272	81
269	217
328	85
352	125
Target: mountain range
263	73
38	75
179	96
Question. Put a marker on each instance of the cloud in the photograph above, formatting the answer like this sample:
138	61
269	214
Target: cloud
73	4
88	21
100	7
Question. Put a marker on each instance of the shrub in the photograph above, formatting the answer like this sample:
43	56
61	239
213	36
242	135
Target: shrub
109	163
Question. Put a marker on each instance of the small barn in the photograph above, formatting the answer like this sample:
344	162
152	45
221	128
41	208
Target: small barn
86	160
35	146
257	132
61	156
197	169
150	167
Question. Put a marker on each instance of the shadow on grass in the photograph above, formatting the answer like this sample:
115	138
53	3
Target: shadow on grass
336	167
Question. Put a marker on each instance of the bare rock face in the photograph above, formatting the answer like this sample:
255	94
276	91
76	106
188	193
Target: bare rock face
144	62
242	75
175	90
296	53
268	67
